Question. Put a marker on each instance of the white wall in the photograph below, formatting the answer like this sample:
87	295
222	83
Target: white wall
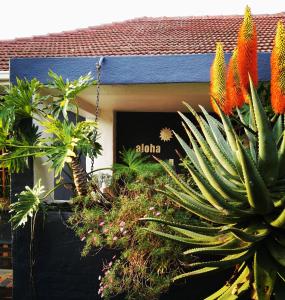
158	97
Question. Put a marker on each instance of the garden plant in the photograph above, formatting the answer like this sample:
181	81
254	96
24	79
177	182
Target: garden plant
238	167
36	123
143	264
228	209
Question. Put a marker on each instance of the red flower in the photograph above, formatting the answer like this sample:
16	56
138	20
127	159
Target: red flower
247	54
278	71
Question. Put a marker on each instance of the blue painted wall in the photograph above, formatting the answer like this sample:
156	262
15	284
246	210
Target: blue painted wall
128	69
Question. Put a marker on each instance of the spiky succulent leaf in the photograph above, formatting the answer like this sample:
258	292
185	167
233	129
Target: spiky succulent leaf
265	273
267	150
257	192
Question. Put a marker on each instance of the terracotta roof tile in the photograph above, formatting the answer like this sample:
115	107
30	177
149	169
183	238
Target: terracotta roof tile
142	36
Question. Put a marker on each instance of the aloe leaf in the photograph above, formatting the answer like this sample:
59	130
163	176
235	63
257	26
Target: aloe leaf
232	246
204	145
202	210
257	192
279	221
209	230
214	198
264	274
229	284
226	262
241	284
277	251
220	155
195	273
188	241
267	150
194	235
278	129
215	125
180	183
281	157
231	138
189	152
219	292
214	179
250	136
250	234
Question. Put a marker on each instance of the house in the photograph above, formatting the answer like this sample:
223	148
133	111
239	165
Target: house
148	67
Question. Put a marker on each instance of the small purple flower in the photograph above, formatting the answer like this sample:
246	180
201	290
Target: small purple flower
158	213
101	223
122	224
151	208
115	238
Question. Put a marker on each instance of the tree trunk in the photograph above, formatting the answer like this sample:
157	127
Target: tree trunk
79	177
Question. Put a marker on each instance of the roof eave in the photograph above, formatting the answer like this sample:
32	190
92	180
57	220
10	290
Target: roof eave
4	76
128	69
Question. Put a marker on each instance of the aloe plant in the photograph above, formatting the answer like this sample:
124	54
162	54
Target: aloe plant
240	204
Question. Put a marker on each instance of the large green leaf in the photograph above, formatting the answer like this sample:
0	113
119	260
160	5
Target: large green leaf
27	205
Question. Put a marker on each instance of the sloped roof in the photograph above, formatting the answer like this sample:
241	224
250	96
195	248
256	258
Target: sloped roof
142	36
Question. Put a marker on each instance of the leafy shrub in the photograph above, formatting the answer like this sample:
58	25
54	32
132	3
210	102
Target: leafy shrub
145	264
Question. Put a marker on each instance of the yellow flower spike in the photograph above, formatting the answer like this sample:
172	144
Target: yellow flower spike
218	79
278	71
234	91
247	53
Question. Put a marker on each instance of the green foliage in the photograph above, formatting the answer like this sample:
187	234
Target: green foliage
134	165
240	201
144	265
19	102
30	102
67	140
28	204
66	92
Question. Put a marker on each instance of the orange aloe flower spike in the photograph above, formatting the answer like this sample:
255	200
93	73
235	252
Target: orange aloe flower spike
234	92
247	53
278	71
218	79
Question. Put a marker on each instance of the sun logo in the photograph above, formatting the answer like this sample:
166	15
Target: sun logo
165	134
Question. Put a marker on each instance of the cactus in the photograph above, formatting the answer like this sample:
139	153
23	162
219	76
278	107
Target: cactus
240	203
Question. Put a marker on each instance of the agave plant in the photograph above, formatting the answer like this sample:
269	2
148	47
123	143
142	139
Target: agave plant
240	203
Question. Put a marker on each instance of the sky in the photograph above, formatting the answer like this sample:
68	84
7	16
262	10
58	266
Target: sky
24	18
